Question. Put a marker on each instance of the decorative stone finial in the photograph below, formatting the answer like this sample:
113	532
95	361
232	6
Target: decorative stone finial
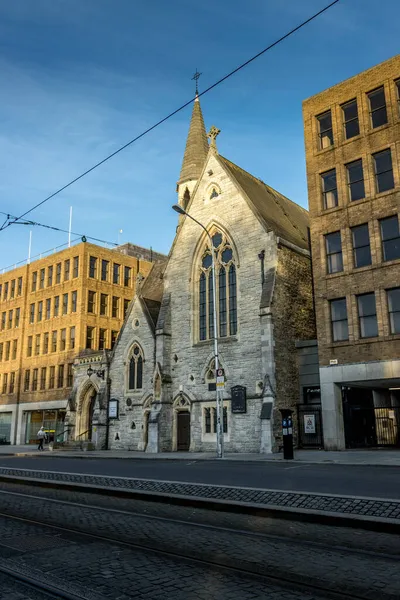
212	135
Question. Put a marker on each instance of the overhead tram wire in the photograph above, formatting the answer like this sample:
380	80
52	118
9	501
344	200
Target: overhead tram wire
36	224
107	158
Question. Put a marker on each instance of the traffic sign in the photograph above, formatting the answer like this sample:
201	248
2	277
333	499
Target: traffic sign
220	379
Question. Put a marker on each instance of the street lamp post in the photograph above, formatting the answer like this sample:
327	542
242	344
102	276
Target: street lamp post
220	433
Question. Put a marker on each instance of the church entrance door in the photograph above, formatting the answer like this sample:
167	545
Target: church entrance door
183	439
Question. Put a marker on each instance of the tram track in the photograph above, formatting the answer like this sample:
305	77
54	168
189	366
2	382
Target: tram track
37	590
279	578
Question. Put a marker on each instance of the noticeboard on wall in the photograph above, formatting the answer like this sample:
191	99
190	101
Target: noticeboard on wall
238	399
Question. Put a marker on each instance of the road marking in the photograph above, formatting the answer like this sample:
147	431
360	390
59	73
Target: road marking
295	467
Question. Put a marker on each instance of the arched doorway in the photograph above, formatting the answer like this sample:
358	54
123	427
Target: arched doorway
85	417
181	433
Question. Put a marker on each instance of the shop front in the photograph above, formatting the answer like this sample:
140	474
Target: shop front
51	420
5	427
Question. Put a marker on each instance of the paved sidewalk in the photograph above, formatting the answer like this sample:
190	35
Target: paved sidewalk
380	457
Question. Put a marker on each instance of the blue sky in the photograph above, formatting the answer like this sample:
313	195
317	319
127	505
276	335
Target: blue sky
80	78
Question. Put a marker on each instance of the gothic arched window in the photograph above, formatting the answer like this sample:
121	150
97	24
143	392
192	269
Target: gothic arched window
225	293
135	379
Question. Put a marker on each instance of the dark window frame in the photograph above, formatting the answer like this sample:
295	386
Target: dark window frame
330	253
349	121
323	134
354	184
359	248
342	320
393	320
326	191
385	241
381	109
367	317
379	174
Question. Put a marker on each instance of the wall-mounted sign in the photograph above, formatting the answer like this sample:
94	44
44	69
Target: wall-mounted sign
220	379
113	409
238	399
309	424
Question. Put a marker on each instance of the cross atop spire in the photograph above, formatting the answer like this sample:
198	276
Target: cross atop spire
196	79
212	135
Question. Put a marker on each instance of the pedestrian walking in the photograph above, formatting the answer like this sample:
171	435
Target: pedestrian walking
41	435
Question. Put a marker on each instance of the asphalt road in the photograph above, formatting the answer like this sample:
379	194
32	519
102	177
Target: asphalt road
373	481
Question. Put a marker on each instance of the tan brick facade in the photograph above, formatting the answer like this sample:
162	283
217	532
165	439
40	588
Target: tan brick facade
352	130
44	321
380	275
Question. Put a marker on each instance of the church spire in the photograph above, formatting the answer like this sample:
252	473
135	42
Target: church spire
196	144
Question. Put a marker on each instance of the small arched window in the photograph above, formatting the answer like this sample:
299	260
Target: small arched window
214	193
135	380
186	199
226	293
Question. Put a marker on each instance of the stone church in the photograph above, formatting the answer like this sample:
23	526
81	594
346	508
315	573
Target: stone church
161	373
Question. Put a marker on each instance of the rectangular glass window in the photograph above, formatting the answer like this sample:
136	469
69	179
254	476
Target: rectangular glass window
12	382
19	292
34	281
17	316
383	171
103	304
37	344
361	246
14	349
8	348
207	420
325	130
12	290
27	379
60	378
5	378
340	328
40	311
114	335
43	372
390	234
54	341
10	318
367	315
67	266
45	343
52	378
49	276
65	304
127	276
41	281
329	189
126	306
58	273
350	119
5	291
56	306
377	107
89	338
35	374
3	320
70	374
63	339
104	270
74	301
115	307
393	297
32	314
72	338
398	93
29	346
92	266
48	309
1	350
91	301
102	338
355	180
116	272
76	266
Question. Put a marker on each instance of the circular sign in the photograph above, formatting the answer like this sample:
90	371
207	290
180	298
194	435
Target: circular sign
220	372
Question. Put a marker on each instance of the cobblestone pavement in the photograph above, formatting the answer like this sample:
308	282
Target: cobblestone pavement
104	571
11	590
389	509
321	555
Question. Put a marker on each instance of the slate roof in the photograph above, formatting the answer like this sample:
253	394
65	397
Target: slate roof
151	292
196	146
286	218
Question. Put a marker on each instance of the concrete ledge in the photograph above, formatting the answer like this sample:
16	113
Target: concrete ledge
374	514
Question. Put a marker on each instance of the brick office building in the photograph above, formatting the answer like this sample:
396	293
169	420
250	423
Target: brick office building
352	139
50	311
